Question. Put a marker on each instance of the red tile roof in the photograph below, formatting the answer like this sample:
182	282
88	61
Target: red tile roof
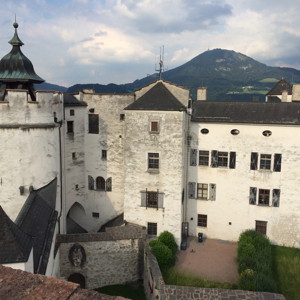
18	284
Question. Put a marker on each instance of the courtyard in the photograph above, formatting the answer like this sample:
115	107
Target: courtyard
212	259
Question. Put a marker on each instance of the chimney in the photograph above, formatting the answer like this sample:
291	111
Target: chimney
296	92
201	94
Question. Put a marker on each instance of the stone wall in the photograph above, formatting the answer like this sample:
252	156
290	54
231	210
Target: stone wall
155	287
106	258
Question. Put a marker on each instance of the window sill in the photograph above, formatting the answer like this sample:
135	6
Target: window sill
205	199
154	132
153	171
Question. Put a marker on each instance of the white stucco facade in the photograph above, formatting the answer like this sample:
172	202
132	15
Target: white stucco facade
230	213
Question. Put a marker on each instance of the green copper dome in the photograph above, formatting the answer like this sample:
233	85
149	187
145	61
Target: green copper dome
15	66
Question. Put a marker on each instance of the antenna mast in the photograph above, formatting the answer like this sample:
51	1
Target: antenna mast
161	62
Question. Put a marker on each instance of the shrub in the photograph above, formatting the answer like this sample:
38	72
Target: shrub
247	280
163	255
168	239
255	254
153	243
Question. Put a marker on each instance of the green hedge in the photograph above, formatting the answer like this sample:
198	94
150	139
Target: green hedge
164	249
255	262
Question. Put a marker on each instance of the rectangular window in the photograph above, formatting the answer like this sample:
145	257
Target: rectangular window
203	158
74	155
95	215
154	127
152	228
265	161
93	123
202	220
72	112
122	117
202	191
261	226
104	154
263	197
153	161
222	159
70	127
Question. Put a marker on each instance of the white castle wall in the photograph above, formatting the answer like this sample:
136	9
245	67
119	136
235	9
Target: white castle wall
232	185
29	155
169	143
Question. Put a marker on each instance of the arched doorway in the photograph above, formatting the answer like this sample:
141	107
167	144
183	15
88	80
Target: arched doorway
77	278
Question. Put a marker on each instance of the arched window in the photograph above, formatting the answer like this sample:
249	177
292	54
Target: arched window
109	184
100	184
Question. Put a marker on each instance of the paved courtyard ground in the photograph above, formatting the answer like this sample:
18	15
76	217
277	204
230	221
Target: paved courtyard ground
212	259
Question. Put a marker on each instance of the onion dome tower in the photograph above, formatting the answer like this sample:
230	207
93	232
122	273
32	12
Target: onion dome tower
16	70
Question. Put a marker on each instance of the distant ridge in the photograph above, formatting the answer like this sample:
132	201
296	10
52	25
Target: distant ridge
228	75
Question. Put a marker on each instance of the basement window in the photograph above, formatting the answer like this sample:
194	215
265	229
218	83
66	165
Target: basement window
261	226
96	215
202	220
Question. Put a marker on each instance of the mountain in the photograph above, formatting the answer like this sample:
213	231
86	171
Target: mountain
228	75
50	87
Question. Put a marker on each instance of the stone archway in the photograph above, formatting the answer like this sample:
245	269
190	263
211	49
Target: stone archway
77	278
75	217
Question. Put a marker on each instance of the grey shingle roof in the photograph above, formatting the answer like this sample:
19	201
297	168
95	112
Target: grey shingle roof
15	245
157	98
246	112
38	218
71	100
279	87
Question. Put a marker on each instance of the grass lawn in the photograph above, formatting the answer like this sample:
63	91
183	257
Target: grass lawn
125	291
173	277
286	263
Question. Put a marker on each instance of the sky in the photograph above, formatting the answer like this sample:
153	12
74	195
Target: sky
119	41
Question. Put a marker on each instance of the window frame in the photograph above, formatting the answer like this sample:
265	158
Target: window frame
93	123
72	112
263	197
100	183
202	190
152	228
70	126
153	161
154	126
202	220
203	158
265	161
152	199
104	154
261	226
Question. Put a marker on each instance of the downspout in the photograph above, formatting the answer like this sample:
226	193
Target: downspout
60	160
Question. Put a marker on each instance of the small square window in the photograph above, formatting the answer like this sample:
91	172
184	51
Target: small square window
152	229
95	215
154	127
202	220
104	154
70	127
72	112
122	117
261	226
203	158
